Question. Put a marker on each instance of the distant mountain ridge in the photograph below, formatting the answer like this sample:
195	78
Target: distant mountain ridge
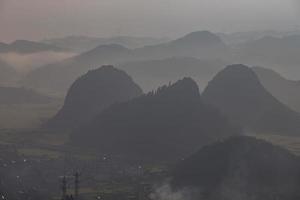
91	93
27	47
151	74
238	38
238	93
204	45
199	44
14	95
58	77
165	124
85	43
287	91
278	53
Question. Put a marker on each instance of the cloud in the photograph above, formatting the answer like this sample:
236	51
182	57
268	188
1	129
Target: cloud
26	62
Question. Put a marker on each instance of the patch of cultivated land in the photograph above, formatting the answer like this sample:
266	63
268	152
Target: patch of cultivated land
26	116
289	142
38	144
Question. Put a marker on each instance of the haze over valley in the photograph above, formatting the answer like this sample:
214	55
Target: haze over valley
149	100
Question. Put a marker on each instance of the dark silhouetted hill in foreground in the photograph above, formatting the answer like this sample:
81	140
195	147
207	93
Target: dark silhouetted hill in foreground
13	95
93	92
237	91
287	91
166	124
240	168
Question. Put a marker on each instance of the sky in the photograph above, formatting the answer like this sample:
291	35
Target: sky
40	19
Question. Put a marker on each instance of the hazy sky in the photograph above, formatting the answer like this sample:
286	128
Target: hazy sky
35	19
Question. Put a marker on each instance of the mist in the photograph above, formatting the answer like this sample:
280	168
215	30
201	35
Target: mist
149	100
23	63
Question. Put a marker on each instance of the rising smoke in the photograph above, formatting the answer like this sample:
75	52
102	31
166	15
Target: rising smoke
165	192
